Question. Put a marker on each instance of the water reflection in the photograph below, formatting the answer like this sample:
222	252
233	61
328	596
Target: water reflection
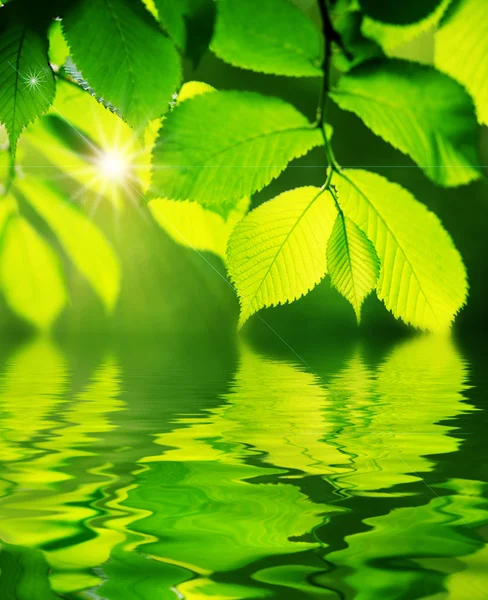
149	482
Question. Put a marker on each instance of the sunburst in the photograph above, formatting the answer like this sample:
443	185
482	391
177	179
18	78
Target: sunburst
33	80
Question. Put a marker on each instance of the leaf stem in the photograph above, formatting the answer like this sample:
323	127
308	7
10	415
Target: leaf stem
329	35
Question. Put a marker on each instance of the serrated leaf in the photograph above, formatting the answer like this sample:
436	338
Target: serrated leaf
189	223
123	54
26	79
218	148
390	36
76	76
422	277
30	274
418	110
352	262
399	12
461	47
277	253
83	242
274	36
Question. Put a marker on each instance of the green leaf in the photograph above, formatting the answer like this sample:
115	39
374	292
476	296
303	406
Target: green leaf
82	241
30	274
123	54
352	262
277	253
400	13
274	36
461	47
171	16
26	79
422	277
191	225
58	49
218	148
390	37
418	110
7	208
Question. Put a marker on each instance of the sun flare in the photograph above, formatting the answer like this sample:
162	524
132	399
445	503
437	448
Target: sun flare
113	166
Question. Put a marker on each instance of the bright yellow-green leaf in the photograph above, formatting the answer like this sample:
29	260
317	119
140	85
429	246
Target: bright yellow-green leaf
218	148
30	274
194	88
277	253
58	48
273	36
189	224
82	241
461	48
352	262
7	208
422	277
418	110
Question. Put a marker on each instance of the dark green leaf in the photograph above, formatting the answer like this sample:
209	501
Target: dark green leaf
123	54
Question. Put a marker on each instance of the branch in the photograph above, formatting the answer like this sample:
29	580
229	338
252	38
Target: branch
330	35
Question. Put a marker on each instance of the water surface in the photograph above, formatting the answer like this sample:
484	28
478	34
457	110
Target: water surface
355	475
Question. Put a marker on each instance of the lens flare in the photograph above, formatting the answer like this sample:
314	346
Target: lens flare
113	166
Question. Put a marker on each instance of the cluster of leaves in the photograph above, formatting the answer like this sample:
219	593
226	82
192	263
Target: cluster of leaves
217	148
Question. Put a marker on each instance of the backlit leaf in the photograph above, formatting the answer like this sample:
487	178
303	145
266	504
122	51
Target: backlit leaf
461	47
82	241
30	274
123	54
422	277
274	36
418	110
277	253
218	148
189	224
390	36
352	262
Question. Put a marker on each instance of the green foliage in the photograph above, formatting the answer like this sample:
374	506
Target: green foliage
171	15
30	274
465	29
399	13
390	36
422	279
211	152
274	36
135	66
277	253
195	159
84	244
26	80
352	261
419	111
